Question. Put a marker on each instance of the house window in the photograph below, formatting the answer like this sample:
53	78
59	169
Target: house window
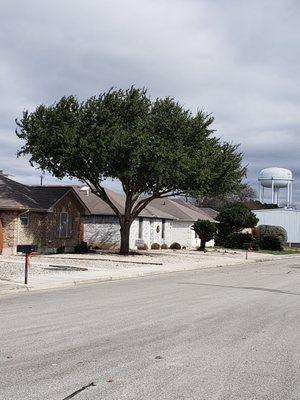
24	219
141	228
163	229
64	224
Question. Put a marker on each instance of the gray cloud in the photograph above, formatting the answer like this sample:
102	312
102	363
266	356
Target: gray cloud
238	60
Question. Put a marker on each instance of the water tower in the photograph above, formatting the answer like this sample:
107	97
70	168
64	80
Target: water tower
275	179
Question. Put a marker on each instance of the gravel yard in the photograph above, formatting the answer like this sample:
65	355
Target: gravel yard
56	264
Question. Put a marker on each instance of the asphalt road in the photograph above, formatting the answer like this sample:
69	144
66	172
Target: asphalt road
220	333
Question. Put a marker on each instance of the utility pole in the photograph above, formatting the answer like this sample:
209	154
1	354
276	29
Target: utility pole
42	177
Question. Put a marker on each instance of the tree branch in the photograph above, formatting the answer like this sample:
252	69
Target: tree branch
99	191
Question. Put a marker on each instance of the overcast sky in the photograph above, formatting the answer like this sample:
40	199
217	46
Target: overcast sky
237	59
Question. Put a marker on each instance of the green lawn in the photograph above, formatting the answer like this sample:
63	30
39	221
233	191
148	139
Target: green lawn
285	252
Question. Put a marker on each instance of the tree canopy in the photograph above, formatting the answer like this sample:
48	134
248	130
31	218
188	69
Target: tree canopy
154	148
234	218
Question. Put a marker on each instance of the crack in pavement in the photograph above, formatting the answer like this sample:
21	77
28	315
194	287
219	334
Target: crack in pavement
78	391
242	287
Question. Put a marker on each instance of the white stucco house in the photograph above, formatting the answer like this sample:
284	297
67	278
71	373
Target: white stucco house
163	221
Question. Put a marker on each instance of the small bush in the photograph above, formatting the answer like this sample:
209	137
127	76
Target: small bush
164	246
60	250
105	246
81	248
175	246
270	230
155	246
143	247
271	242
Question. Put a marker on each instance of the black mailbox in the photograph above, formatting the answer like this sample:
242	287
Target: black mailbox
26	248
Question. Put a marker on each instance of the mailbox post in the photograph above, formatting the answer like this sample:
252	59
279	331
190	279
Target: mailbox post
248	247
26	249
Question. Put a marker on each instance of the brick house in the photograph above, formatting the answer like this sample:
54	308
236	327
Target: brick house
48	216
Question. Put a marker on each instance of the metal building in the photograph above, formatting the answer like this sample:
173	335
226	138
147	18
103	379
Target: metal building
289	219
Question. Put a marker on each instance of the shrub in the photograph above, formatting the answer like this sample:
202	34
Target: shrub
241	240
60	250
155	246
270	242
81	248
272	230
232	219
175	246
143	247
164	246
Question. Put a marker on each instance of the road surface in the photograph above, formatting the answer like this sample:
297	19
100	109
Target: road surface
220	333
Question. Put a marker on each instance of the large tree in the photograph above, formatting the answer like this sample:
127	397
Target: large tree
154	148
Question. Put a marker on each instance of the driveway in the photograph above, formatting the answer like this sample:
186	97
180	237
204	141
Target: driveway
221	333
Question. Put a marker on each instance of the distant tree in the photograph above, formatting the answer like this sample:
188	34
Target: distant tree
206	231
155	149
234	218
244	194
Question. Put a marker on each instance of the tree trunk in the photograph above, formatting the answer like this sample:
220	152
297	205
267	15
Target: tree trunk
202	245
125	235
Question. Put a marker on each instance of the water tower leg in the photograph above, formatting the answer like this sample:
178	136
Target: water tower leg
288	195
276	194
260	195
273	192
291	196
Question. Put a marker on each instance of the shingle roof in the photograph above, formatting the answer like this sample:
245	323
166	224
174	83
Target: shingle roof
206	210
181	210
159	208
16	196
96	206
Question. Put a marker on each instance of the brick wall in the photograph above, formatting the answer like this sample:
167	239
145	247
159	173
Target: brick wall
50	239
104	231
9	223
42	228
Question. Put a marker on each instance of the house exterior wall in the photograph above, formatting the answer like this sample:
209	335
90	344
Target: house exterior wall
287	219
183	233
104	231
42	228
9	223
50	238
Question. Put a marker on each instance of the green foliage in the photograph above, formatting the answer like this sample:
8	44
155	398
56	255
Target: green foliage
175	246
155	246
237	240
164	246
271	242
270	230
206	231
156	148
81	248
60	250
232	219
